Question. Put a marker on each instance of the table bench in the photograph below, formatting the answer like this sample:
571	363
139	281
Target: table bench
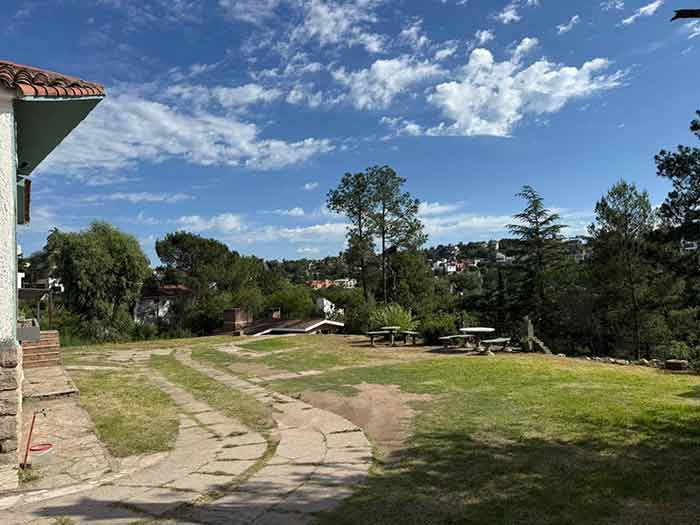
499	341
447	340
379	333
409	333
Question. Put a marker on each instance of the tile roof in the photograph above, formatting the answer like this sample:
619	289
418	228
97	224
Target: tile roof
34	82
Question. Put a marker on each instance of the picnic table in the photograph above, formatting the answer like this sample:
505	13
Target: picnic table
477	332
448	339
392	331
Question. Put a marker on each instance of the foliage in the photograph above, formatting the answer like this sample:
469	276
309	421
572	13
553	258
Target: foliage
102	270
392	315
540	247
295	301
435	327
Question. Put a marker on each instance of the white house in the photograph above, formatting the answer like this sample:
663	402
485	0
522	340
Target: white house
38	109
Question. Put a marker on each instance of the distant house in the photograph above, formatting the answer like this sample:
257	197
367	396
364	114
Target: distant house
345	283
154	306
322	284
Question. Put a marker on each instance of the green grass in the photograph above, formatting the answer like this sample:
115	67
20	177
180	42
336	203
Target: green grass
131	414
227	400
278	343
532	440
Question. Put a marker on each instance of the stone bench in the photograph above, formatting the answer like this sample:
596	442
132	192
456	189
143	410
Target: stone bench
501	342
379	333
448	339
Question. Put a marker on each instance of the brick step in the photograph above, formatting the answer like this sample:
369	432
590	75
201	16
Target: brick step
42	363
43	348
41	357
39	346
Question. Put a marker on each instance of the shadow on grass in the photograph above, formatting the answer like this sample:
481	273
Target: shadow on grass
453	478
694	393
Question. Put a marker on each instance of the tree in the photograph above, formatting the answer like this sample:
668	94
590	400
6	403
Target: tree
624	219
102	270
540	246
394	217
681	209
353	198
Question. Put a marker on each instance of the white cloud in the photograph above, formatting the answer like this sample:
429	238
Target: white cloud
141	197
224	96
414	35
253	11
344	24
428	209
509	15
565	28
311	186
223	223
445	53
492	97
693	29
609	5
317	233
291	212
126	129
483	36
377	86
647	10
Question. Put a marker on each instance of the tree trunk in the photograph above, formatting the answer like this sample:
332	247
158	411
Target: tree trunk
383	227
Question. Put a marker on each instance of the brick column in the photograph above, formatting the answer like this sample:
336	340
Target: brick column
10	353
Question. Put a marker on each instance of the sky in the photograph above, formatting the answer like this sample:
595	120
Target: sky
234	118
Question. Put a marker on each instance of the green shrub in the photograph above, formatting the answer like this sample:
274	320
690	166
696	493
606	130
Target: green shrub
435	327
392	315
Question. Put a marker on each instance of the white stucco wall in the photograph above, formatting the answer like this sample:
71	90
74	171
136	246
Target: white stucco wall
8	221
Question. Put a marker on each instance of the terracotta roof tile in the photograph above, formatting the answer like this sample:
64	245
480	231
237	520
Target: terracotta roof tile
33	82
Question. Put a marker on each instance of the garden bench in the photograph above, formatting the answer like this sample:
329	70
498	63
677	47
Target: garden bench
409	333
499	341
379	333
447	340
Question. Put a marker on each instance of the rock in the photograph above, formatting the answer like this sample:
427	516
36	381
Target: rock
677	364
488	353
611	360
561	355
643	362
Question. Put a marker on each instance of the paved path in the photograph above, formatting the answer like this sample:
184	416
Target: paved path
217	472
320	458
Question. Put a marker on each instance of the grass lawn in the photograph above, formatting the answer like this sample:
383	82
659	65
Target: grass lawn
532	440
131	414
311	353
229	401
277	343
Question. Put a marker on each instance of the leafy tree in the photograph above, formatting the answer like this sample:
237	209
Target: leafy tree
353	198
538	231
102	270
624	219
394	217
681	209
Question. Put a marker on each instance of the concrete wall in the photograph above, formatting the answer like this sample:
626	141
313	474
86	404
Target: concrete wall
10	353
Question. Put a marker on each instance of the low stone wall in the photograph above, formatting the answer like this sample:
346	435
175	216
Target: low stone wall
11	376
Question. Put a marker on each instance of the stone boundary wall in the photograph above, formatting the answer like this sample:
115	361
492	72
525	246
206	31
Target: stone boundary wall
11	376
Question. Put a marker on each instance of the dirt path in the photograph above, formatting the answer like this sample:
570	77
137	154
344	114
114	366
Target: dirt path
383	411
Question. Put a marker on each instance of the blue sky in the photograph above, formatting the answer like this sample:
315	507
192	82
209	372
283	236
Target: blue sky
233	119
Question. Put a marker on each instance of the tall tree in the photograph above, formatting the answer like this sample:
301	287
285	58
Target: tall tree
102	270
394	217
681	209
624	219
538	231
353	198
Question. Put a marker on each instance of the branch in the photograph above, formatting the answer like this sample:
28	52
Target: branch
686	13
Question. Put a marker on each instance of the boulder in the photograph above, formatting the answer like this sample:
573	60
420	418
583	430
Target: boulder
677	364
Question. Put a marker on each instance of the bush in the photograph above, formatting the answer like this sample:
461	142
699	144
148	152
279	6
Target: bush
392	315
435	327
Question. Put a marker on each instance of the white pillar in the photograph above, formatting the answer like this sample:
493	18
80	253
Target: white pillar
8	220
10	354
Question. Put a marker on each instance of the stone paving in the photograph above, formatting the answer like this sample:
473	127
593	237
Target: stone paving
47	382
219	471
77	455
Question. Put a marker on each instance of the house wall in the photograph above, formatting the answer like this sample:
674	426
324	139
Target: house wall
10	353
